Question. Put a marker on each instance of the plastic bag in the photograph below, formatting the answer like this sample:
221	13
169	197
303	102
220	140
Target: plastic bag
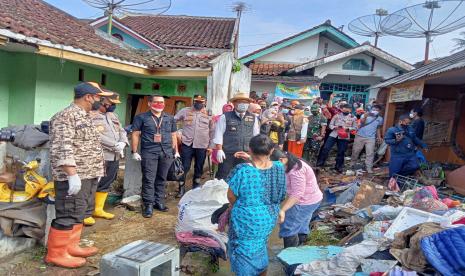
176	170
197	206
382	149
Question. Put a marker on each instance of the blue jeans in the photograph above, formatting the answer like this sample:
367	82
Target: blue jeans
403	164
297	220
341	149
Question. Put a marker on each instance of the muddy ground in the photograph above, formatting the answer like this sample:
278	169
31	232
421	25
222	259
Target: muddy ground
126	227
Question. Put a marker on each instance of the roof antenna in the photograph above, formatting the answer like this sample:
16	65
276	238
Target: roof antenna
121	7
238	7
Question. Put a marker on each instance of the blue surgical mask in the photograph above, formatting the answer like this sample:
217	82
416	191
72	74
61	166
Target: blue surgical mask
285	110
242	107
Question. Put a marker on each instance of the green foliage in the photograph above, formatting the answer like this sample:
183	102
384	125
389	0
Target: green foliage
320	238
237	66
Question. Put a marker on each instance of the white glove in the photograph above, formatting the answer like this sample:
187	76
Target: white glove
220	156
121	154
136	156
74	184
120	146
176	155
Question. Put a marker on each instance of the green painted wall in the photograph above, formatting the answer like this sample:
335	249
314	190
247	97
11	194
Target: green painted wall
168	87
23	68
5	72
55	83
33	88
126	38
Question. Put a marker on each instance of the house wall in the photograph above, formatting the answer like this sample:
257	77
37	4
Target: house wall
299	52
5	72
380	70
168	87
126	38
333	47
22	81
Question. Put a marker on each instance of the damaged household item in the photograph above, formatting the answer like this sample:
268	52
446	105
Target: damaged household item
345	263
197	206
445	251
292	256
376	229
406	247
410	217
455	180
348	195
369	193
372	265
141	258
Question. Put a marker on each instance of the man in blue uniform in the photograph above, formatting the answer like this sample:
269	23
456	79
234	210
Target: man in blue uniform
403	142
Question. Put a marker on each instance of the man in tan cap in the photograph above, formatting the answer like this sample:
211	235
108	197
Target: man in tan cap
114	139
197	132
233	132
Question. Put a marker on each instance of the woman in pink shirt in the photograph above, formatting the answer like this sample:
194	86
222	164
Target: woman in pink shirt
303	198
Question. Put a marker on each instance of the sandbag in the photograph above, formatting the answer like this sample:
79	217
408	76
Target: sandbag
197	206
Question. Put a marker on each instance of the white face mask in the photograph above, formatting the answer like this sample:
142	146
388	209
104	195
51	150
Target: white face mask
375	112
412	115
242	107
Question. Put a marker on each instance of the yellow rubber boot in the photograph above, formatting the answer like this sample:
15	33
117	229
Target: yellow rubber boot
89	221
100	198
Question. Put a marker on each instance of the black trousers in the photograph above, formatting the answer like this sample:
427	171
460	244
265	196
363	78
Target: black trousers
228	164
341	149
111	172
71	209
199	155
154	171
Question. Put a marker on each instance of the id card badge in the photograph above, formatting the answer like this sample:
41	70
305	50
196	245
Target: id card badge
157	138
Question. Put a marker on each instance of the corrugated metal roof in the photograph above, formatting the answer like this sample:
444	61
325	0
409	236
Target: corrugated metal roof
452	62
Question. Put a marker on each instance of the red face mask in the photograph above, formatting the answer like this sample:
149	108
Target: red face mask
158	105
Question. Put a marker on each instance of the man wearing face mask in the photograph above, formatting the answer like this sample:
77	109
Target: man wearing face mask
403	142
197	132
368	134
76	158
156	131
114	139
233	132
316	132
341	125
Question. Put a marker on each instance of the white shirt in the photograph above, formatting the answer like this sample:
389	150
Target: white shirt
221	128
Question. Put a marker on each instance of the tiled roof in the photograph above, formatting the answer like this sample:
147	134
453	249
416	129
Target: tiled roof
270	69
178	58
37	19
171	31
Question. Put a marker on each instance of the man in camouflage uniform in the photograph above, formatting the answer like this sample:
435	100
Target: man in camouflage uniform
114	139
76	157
316	132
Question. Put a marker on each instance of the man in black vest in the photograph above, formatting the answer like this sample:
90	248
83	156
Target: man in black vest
233	132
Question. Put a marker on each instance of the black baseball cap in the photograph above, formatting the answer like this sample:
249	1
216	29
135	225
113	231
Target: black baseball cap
91	88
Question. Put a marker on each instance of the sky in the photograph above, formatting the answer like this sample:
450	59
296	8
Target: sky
267	21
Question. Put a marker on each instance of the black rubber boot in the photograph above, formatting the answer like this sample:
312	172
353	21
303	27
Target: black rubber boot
302	239
196	183
181	190
292	241
147	210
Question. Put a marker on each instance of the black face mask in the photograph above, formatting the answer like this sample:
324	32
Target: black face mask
345	113
111	108
199	106
96	105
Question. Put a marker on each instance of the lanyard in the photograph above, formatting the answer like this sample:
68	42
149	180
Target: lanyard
158	126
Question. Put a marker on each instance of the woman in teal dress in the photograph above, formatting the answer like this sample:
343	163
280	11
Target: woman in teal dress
256	190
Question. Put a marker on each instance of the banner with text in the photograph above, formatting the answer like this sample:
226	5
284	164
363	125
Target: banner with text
307	92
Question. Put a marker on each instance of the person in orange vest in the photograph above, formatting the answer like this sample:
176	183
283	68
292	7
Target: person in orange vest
297	133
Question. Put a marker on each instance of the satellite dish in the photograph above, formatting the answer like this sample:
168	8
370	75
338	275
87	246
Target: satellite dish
370	25
429	19
121	7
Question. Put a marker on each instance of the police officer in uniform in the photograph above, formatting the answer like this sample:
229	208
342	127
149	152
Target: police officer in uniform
156	131
197	132
403	142
76	158
233	132
114	139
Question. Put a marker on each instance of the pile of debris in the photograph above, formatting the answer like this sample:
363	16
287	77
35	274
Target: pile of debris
384	227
